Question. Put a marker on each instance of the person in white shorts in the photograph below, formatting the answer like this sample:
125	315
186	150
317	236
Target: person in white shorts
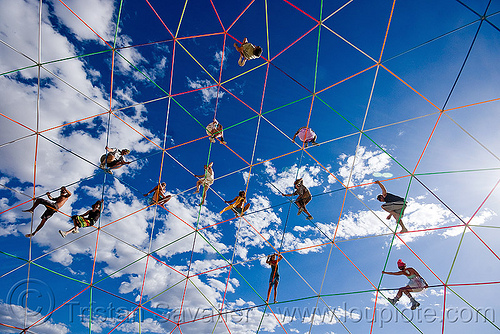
206	180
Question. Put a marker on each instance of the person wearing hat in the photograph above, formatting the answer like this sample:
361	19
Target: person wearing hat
395	205
114	158
415	284
304	197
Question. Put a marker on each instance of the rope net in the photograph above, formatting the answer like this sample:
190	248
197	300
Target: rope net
381	96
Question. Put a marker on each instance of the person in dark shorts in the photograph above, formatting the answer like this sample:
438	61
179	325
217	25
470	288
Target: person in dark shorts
51	207
247	51
304	197
395	205
274	279
87	219
114	158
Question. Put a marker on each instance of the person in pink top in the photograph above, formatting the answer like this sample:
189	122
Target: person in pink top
307	135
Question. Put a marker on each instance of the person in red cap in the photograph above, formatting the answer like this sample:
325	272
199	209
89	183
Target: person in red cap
415	284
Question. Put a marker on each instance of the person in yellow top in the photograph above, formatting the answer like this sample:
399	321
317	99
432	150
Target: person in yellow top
237	204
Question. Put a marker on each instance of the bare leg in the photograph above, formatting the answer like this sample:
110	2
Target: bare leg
245	208
307	213
406	290
275	290
198	184
400	221
269	291
164	200
37	229
396	216
205	189
242	61
35	204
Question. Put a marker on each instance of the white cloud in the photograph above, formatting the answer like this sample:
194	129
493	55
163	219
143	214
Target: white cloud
282	182
365	163
14	315
207	94
98	14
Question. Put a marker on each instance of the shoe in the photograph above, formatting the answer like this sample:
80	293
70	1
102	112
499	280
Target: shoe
393	301
62	234
414	305
404	230
309	217
75	231
314	143
300	211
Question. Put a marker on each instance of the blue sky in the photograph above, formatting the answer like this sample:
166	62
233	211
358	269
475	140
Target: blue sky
149	76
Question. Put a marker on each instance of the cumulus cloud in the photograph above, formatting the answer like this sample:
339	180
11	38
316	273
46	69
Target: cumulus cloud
207	94
282	182
360	166
97	14
14	315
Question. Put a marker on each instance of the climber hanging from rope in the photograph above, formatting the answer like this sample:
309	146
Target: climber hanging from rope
307	135
247	51
237	204
160	196
114	158
304	197
89	218
274	279
215	130
415	284
395	205
51	207
206	180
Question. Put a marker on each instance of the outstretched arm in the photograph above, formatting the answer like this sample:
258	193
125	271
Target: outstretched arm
67	191
149	192
393	273
109	149
232	201
384	192
296	133
86	213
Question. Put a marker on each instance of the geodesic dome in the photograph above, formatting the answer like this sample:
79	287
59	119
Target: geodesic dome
401	92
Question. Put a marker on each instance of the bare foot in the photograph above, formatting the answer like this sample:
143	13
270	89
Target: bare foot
28	235
29	210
